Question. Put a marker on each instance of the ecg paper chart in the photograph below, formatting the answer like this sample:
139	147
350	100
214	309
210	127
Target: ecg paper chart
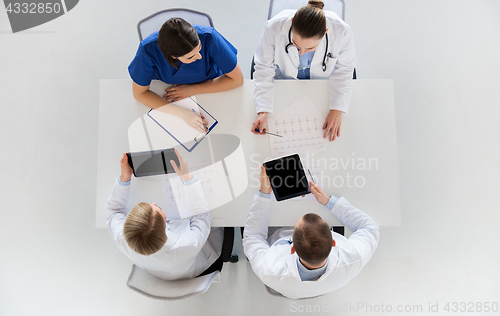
300	124
300	134
175	196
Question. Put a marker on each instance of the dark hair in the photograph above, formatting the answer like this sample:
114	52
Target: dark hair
313	239
310	21
177	38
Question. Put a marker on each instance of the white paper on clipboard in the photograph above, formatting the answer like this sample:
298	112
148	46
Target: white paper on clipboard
177	127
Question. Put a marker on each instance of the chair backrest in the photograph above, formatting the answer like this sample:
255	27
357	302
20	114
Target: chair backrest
143	282
276	6
275	293
154	22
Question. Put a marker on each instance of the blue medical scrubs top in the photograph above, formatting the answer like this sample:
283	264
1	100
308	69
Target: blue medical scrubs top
218	57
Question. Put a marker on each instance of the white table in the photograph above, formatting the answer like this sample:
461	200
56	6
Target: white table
362	164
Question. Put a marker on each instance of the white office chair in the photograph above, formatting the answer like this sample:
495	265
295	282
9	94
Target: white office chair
273	292
276	6
143	282
147	284
154	22
278	294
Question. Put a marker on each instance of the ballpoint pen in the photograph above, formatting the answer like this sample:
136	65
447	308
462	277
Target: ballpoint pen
206	128
257	130
312	179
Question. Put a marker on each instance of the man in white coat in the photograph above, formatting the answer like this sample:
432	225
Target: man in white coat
307	260
169	250
308	43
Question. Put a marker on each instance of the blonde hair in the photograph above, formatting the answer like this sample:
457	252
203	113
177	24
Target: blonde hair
310	21
144	230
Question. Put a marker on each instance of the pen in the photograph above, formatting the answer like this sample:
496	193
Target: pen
257	130
206	129
312	179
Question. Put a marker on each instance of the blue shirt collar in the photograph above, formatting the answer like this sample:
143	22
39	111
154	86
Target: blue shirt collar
310	275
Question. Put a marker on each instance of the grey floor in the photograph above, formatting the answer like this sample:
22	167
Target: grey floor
444	59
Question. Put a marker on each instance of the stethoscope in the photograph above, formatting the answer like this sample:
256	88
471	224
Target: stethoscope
323	65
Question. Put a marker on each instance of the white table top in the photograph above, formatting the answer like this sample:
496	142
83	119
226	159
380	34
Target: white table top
364	158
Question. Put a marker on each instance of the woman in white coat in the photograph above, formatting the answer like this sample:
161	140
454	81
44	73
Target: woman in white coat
305	44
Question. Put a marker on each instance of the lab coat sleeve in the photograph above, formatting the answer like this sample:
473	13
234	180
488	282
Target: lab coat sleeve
263	77
199	224
116	209
365	231
255	243
340	80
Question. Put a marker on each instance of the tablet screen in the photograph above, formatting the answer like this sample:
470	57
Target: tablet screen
287	177
148	163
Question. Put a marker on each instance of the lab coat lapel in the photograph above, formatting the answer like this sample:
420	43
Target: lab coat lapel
317	61
286	27
293	52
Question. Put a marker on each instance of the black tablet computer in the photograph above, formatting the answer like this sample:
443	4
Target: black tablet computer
287	177
150	163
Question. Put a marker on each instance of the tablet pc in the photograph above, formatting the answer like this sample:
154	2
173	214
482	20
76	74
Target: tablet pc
150	163
287	177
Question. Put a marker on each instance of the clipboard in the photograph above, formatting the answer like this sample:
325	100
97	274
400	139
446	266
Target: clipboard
187	136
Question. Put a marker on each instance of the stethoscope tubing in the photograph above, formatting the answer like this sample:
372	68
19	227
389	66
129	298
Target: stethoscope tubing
323	64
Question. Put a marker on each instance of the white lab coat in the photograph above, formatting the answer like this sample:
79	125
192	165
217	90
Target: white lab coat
187	253
277	267
272	62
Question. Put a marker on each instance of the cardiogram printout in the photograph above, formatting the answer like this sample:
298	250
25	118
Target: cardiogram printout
300	125
175	196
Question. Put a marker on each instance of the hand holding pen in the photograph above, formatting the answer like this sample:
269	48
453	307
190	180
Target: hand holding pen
205	123
264	131
193	119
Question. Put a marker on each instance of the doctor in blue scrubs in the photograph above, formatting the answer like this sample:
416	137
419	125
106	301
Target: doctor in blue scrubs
195	59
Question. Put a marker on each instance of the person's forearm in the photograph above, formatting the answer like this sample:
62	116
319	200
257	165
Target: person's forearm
154	101
125	178
352	217
264	88
365	231
116	205
256	223
331	202
222	83
340	89
196	202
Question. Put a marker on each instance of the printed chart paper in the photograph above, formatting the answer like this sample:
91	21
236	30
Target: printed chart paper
300	125
174	191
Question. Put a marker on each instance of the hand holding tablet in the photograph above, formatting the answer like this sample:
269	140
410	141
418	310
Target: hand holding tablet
150	163
318	193
287	177
265	185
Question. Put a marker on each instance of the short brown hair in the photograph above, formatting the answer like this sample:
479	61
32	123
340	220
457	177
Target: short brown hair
144	230
313	239
177	38
310	21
